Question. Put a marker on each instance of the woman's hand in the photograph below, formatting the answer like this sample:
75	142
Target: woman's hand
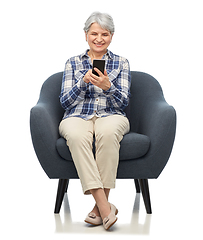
86	78
102	81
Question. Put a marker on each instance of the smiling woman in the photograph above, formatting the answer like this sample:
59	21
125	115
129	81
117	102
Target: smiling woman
94	107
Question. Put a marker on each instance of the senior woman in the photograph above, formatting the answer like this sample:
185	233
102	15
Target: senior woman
94	107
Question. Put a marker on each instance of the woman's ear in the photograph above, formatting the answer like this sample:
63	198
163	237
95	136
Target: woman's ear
86	36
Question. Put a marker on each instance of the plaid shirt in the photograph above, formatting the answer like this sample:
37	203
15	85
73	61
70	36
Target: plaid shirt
80	99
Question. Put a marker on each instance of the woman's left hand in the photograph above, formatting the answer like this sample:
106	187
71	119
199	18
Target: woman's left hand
102	81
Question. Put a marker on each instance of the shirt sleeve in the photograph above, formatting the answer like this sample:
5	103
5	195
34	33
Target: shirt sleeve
119	92
73	90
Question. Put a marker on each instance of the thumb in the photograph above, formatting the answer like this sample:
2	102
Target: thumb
105	73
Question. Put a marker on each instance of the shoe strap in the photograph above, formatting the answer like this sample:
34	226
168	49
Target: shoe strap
92	215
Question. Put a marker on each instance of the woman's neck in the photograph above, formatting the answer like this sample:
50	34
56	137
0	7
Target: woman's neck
95	55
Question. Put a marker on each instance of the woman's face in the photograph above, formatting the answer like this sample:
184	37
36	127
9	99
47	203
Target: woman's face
98	38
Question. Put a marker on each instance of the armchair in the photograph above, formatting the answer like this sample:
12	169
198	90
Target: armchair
144	151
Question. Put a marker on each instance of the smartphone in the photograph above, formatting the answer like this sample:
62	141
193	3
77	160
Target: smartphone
100	64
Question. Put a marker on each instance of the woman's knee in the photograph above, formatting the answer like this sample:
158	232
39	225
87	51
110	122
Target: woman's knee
112	127
107	135
78	138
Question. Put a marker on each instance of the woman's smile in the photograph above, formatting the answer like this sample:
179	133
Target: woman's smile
99	44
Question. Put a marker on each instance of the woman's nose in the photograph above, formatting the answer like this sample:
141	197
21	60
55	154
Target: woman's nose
99	38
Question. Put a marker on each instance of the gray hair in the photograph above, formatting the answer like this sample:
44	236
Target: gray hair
103	19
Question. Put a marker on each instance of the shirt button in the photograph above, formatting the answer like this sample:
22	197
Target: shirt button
97	99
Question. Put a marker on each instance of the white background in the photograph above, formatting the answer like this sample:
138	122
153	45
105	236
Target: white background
162	38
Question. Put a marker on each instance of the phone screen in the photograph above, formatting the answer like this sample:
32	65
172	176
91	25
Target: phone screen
100	64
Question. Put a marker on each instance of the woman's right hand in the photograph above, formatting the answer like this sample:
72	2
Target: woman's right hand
87	77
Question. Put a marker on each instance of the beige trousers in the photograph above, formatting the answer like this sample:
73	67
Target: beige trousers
97	171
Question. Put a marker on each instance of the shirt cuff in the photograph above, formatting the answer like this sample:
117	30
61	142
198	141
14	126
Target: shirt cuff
110	91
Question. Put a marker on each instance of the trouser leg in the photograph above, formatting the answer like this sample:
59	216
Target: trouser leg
79	135
109	132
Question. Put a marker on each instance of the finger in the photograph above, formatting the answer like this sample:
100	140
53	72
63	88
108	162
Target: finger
105	73
94	82
99	72
90	71
94	76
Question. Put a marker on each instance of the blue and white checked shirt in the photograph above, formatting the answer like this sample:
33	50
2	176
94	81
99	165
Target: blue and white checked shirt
80	99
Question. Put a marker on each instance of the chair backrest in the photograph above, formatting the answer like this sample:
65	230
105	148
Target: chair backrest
49	94
145	90
144	87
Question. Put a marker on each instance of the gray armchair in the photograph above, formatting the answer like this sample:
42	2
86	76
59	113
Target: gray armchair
144	151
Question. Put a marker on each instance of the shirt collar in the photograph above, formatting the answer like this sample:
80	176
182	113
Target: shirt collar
85	54
109	54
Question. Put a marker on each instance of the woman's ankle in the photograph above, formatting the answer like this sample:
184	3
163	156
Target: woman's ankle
104	210
96	211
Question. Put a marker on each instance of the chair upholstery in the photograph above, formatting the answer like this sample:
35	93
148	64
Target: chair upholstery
133	146
144	151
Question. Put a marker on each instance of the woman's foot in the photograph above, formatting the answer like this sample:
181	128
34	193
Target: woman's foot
101	202
94	217
104	210
111	218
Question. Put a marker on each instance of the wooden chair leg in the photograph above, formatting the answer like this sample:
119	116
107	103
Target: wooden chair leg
145	193
67	186
62	187
137	185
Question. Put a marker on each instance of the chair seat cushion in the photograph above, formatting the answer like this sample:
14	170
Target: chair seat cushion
132	146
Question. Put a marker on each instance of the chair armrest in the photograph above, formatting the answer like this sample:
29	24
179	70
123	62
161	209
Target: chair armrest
158	122
44	122
44	131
